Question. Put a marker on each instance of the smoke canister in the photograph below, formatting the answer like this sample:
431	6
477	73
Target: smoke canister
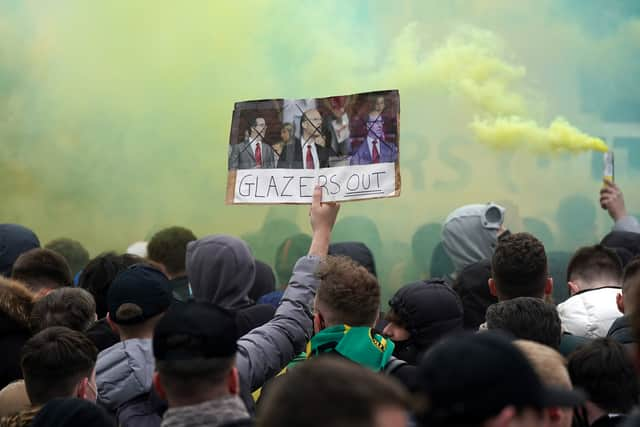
608	174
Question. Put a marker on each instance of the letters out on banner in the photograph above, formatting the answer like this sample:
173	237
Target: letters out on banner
338	184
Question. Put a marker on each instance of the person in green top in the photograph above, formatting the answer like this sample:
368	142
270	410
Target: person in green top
345	309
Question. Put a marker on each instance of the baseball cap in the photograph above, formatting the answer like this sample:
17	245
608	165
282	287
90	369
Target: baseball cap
137	294
195	330
470	378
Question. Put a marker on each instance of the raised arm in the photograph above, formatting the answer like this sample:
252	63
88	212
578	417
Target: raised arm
263	352
612	199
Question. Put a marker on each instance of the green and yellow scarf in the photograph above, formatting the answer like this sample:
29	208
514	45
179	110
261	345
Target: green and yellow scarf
358	344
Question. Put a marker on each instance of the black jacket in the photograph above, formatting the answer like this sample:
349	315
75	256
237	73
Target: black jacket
621	331
472	285
292	156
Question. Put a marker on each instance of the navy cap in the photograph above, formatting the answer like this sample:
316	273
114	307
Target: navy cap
195	330
137	294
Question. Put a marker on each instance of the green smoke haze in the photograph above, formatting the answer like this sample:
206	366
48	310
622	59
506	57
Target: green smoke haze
115	115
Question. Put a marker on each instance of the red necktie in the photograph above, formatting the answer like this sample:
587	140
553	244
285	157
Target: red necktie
258	156
309	158
375	155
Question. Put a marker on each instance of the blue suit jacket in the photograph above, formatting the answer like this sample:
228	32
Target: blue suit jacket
362	156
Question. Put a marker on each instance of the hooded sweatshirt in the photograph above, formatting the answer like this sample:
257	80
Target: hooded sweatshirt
124	371
222	271
430	310
14	241
468	237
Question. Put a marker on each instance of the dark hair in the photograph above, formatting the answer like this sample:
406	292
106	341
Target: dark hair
53	361
72	251
186	377
329	391
604	370
100	272
631	275
73	308
349	291
169	248
527	318
519	266
597	263
42	268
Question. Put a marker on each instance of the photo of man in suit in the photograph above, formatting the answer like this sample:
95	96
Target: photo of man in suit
375	149
253	152
310	150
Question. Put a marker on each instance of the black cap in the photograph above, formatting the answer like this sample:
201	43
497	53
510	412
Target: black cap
137	294
470	378
195	330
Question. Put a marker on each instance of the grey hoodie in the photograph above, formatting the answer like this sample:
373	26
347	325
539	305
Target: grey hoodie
467	238
221	270
124	371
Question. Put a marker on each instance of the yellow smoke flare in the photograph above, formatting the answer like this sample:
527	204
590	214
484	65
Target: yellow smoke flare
513	132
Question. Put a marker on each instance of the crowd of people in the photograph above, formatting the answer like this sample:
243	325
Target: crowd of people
193	331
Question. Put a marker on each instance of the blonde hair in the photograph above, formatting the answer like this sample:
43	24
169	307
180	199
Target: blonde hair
550	366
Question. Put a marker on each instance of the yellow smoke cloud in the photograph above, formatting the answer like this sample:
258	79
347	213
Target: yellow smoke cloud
470	64
514	132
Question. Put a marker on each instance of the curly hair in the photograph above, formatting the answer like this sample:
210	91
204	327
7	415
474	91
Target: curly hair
519	266
349	292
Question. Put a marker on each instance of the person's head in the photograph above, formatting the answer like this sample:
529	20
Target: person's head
137	299
328	391
264	283
348	294
168	248
470	233
14	241
71	413
138	249
630	285
288	253
551	368
221	270
423	243
604	370
99	273
377	104
593	267
420	314
59	362
286	132
258	128
72	251
527	318
310	123
42	269
195	346
16	304
482	379
519	268
73	308
356	251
